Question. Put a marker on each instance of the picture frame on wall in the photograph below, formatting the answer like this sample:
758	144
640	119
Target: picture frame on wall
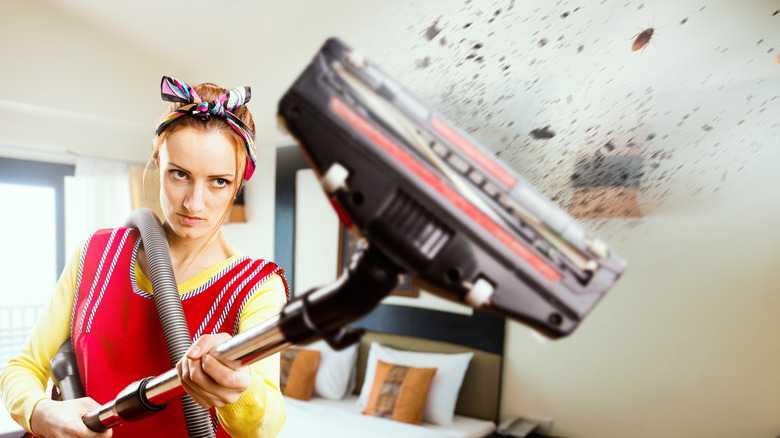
349	245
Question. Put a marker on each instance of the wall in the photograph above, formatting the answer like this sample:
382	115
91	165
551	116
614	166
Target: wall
256	236
67	88
686	343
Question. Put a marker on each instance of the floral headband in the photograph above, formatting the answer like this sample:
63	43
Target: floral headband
173	90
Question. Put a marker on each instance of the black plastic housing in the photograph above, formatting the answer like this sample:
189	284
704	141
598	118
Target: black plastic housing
401	202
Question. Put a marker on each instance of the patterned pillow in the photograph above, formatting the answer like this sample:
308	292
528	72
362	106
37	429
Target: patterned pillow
298	372
399	392
443	393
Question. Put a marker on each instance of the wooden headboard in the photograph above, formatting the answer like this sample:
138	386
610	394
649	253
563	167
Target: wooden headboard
479	394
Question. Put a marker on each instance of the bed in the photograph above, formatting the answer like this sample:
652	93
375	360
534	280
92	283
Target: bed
475	410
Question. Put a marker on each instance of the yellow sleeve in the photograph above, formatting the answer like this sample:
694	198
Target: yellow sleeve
259	412
23	382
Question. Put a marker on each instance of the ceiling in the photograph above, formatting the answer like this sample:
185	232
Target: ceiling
541	84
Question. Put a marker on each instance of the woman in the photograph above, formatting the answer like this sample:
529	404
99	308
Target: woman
104	299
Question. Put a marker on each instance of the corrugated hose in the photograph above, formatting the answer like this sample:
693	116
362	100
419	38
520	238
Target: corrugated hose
166	298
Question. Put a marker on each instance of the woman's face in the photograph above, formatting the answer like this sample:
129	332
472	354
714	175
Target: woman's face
197	180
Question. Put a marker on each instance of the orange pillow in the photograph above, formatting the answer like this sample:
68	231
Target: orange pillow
298	372
399	392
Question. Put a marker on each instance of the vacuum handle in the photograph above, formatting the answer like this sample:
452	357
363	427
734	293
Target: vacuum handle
131	404
65	372
92	421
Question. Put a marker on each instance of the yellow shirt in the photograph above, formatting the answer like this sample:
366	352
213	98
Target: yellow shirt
259	412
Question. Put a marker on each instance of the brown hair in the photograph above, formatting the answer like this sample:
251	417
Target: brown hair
207	92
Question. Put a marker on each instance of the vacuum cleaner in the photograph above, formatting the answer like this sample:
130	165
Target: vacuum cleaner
429	202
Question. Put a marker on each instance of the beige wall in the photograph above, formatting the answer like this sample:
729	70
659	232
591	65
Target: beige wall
65	87
686	344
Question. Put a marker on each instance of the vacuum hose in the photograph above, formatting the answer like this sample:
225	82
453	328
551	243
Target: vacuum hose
166	298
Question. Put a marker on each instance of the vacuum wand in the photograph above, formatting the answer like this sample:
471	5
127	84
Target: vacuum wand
322	313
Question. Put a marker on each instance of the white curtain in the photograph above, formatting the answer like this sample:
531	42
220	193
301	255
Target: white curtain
97	196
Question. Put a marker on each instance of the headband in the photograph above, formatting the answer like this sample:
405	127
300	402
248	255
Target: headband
173	90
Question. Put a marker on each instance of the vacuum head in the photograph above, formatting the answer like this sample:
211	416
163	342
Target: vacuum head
432	200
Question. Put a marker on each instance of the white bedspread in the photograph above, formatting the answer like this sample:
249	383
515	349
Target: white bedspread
325	418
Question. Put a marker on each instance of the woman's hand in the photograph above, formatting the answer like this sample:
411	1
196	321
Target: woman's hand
208	381
54	419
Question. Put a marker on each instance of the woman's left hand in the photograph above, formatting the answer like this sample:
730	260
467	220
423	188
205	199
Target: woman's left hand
208	381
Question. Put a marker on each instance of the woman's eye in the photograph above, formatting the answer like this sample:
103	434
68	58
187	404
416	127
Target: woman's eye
178	174
221	182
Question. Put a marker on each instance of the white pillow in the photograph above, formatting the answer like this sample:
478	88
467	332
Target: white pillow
336	374
443	393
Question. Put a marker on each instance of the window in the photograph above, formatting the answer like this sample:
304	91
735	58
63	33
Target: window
28	231
32	233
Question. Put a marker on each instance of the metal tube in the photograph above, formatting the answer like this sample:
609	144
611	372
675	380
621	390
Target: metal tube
164	388
252	345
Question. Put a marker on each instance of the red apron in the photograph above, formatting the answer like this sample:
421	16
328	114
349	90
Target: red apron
116	330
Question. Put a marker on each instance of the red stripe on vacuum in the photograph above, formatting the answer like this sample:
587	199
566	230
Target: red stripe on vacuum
475	154
384	142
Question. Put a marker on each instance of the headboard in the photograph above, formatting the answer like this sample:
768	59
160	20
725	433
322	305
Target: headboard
480	392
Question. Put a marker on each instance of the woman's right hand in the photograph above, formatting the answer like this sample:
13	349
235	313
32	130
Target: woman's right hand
54	419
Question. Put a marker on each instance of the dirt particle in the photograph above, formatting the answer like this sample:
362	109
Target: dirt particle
432	31
707	127
423	63
543	133
543	42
